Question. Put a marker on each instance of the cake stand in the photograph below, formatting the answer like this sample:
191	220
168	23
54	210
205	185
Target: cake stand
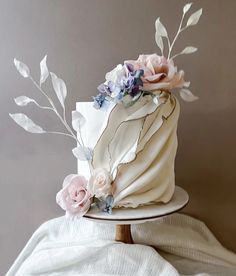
123	218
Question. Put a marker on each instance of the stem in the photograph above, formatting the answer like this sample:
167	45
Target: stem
80	136
64	114
40	89
176	36
55	110
168	41
44	107
60	133
67	127
176	56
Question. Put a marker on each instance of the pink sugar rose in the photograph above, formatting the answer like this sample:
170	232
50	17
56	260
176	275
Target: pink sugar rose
74	197
159	73
100	183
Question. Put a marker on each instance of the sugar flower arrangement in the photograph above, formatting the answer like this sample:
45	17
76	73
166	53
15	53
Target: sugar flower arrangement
127	83
149	74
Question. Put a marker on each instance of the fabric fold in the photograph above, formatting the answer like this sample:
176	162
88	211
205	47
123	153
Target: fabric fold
82	247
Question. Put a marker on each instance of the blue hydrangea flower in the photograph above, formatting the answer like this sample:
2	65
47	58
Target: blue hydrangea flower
115	92
99	100
133	82
106	205
129	67
104	89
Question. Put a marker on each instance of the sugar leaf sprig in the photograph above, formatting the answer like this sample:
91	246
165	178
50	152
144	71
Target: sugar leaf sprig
161	32
81	152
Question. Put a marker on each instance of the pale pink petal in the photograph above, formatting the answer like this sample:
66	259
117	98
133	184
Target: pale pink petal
156	86
155	78
60	200
150	67
68	179
142	58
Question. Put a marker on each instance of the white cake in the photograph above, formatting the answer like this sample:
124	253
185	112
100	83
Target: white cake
126	138
142	147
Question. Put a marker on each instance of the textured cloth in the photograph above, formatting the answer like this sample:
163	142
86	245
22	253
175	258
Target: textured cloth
184	245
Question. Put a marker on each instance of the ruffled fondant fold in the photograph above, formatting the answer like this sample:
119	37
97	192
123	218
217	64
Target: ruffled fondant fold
150	176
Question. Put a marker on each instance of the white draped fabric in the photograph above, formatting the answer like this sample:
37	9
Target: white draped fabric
185	246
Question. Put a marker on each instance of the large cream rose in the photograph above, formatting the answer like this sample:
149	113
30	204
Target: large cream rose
159	72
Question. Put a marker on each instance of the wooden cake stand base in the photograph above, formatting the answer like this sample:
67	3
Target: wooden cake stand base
123	233
123	218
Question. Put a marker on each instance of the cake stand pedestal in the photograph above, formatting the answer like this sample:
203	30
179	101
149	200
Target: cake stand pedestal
123	218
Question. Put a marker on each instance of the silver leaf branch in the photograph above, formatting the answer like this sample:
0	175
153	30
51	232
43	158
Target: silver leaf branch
53	108
193	20
63	121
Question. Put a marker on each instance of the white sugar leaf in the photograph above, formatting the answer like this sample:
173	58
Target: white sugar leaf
189	50
156	100
23	100
159	42
43	70
186	83
160	28
78	120
187	95
187	7
22	68
82	153
26	123
194	18
60	88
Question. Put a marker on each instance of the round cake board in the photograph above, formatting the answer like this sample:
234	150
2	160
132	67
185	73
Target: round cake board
124	217
143	213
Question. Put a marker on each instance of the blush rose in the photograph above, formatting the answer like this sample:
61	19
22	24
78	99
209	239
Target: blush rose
74	197
100	183
159	72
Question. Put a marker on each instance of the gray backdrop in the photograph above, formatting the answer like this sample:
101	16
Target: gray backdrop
84	39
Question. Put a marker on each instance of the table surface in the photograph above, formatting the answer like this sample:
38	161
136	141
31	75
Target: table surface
143	213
